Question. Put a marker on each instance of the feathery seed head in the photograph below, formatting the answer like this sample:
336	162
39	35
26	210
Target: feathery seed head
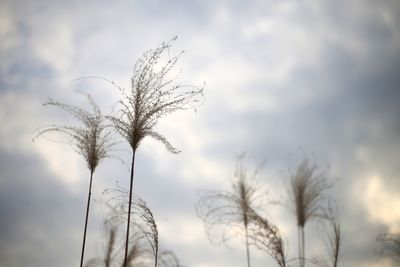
153	94
143	223
390	245
306	186
333	236
267	237
229	210
92	140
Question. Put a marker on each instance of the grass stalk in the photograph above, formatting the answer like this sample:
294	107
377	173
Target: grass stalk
86	219
91	139
247	245
307	185
129	208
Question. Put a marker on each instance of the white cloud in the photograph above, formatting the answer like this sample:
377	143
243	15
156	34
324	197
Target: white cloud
183	231
54	44
7	30
20	115
379	263
381	202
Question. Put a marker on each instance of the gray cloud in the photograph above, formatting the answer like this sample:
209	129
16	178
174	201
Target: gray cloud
38	215
280	75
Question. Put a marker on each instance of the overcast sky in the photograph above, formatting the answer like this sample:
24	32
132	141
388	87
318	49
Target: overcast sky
283	80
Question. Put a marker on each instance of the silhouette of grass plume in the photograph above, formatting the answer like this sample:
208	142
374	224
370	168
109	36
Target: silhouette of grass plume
92	140
333	235
307	185
143	223
231	210
390	246
267	237
153	94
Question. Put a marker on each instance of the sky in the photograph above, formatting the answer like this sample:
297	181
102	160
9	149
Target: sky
283	80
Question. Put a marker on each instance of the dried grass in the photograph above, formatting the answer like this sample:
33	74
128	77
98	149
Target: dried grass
230	210
307	185
143	223
154	93
390	246
92	141
333	235
267	237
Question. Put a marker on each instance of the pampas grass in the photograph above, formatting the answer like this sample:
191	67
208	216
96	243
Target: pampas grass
169	259
154	93
267	237
230	209
148	226
143	223
335	242
111	253
390	246
92	140
332	234
307	185
144	243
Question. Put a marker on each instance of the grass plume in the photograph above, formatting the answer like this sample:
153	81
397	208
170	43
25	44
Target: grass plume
333	236
112	253
168	258
230	209
153	94
390	246
92	140
110	246
267	237
143	223
307	185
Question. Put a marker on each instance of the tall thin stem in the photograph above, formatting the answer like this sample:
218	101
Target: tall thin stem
303	251
87	216
247	245
129	208
299	244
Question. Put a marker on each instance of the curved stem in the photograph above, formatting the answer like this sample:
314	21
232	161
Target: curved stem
129	209
87	216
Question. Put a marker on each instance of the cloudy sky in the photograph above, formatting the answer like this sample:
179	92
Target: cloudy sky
284	80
